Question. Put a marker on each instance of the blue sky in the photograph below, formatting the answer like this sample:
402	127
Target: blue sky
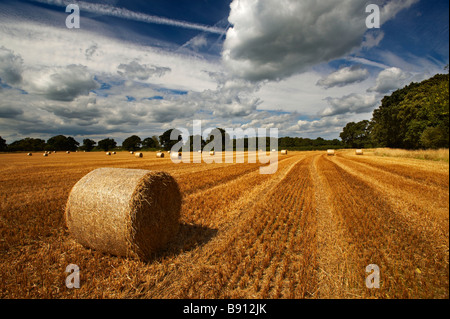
141	67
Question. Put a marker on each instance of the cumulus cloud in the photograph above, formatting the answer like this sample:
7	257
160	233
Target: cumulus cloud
61	83
11	66
344	77
322	127
274	39
389	80
142	72
353	103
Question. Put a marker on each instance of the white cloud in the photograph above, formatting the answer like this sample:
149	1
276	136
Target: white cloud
344	76
142	72
274	39
11	66
389	80
353	103
60	84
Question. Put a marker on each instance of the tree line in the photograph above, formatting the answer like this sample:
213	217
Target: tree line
414	117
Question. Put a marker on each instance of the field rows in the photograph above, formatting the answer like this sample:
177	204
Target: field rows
308	231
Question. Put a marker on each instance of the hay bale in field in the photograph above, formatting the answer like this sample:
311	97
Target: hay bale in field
176	155
124	212
359	152
68	152
45	155
131	152
331	152
29	154
114	153
284	152
160	155
139	155
108	153
212	153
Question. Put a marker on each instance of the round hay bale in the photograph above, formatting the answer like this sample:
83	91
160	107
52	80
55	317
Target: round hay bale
284	152
359	152
124	212
160	155
331	152
29	154
139	155
108	153
131	152
114	153
45	155
212	153
68	152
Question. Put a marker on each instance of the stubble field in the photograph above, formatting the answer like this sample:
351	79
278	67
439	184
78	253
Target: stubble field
308	231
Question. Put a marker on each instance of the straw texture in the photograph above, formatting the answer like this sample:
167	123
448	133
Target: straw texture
124	212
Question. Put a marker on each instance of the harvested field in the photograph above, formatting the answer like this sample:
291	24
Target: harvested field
308	231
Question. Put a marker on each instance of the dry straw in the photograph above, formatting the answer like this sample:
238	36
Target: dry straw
124	212
139	155
160	155
29	154
45	154
108	153
359	152
331	152
284	152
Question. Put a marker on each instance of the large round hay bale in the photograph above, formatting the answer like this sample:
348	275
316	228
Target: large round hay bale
331	152
139	155
160	155
212	153
108	153
359	152
284	152
29	154
124	212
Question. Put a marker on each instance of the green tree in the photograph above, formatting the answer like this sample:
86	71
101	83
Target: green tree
27	144
3	145
357	135
149	142
415	116
133	143
225	139
88	145
107	144
166	142
62	143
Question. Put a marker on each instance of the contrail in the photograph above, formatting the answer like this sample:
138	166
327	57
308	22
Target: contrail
108	10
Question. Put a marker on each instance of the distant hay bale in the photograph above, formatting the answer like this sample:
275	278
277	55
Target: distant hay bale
29	154
160	155
274	150
331	152
108	153
124	212
114	153
131	152
68	152
212	153
284	152
176	155
359	152
45	155
139	155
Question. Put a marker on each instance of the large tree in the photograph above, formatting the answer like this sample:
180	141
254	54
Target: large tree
133	143
416	116
107	144
27	144
88	145
166	142
357	135
62	143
